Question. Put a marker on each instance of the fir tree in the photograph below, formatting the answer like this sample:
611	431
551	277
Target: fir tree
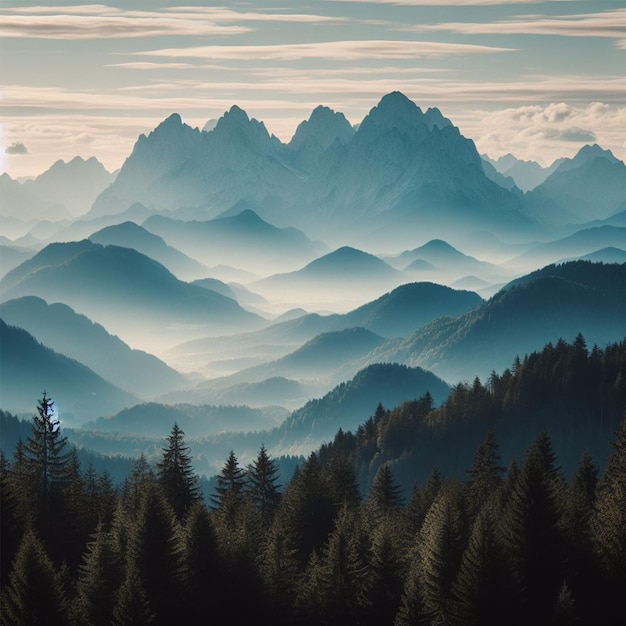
176	475
608	526
230	488
98	580
485	475
441	544
132	607
262	485
532	529
48	465
155	553
34	594
204	568
385	496
484	592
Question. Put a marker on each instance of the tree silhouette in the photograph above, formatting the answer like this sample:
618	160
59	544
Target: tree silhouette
176	476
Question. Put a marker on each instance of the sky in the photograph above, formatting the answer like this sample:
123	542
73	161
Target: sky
538	79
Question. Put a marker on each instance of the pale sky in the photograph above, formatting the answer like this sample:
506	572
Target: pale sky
538	78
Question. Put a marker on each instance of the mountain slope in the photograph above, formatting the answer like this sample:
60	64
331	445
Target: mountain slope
590	186
243	240
557	301
76	336
102	281
130	235
348	405
27	368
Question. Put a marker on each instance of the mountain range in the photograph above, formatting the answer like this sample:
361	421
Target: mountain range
100	281
400	168
64	191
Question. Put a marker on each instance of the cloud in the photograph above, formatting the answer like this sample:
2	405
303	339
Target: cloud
602	24
577	135
343	50
101	21
16	148
536	133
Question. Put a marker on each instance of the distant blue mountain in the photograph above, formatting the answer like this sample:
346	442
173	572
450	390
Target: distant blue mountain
402	168
27	368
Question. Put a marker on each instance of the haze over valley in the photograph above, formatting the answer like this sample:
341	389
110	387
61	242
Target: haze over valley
229	278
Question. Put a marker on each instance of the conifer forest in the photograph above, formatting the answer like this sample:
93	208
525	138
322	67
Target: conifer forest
385	525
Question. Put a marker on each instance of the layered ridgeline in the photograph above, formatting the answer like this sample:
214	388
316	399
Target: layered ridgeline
27	368
60	328
103	282
556	301
402	167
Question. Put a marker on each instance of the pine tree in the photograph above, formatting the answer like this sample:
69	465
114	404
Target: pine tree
141	478
412	611
380	599
608	526
204	568
176	475
34	594
308	508
48	465
262	485
532	529
485	475
385	496
132	607
340	574
280	572
484	592
441	544
230	488
98	580
155	553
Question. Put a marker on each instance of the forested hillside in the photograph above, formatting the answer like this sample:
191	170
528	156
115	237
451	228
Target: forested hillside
488	532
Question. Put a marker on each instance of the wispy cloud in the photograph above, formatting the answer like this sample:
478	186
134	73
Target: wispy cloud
101	21
602	24
344	50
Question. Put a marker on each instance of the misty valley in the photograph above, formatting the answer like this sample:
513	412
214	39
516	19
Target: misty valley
367	376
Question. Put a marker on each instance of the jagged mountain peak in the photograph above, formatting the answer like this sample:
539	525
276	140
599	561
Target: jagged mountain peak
320	131
586	154
393	110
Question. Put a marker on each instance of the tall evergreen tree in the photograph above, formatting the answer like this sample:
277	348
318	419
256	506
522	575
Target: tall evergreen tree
230	488
176	475
441	544
485	475
385	496
155	553
98	580
48	465
262	485
608	526
532	530
34	594
280	572
204	568
132	607
484	592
